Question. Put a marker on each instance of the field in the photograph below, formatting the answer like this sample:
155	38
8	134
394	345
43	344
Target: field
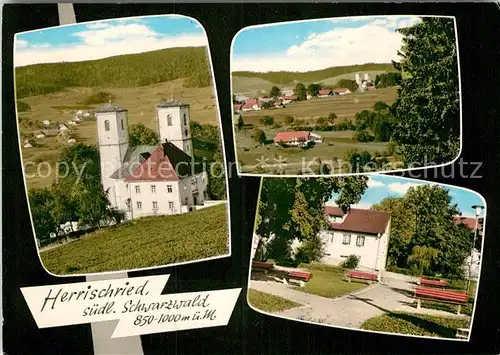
140	101
335	145
142	243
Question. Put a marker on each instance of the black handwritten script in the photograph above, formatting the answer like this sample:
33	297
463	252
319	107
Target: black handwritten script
136	302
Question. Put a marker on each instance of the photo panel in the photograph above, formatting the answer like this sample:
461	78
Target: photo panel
346	95
374	253
121	144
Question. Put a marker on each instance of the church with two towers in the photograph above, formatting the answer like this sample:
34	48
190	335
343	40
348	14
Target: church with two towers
150	180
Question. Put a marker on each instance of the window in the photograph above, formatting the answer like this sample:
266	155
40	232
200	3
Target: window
169	120
186	132
360	241
330	238
139	205
170	205
106	125
346	239
137	189
153	189
169	188
122	124
185	120
155	205
186	201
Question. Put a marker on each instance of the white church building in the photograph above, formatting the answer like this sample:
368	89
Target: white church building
150	180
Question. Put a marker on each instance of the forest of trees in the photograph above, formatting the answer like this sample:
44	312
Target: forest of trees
424	237
285	77
120	71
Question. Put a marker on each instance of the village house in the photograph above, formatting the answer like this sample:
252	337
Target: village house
286	99
237	108
360	232
296	138
287	91
150	180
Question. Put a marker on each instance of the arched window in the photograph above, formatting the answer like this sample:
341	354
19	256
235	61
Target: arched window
185	120
169	120
122	125
186	132
106	125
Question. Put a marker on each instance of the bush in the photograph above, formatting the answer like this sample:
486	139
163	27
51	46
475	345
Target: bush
351	262
267	121
364	136
276	125
259	136
289	120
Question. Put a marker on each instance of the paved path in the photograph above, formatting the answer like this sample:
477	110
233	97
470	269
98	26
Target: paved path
349	310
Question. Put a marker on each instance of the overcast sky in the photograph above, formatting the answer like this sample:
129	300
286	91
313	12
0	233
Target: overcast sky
382	186
318	44
95	40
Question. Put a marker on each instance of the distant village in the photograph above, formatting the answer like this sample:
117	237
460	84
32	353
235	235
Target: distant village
243	103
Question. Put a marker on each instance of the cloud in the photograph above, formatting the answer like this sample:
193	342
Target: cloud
20	44
375	183
401	188
104	40
375	42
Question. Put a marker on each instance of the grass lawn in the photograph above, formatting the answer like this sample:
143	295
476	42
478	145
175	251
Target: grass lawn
269	303
142	243
327	282
140	102
415	324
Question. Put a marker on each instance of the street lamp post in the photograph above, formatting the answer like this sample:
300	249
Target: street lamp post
477	211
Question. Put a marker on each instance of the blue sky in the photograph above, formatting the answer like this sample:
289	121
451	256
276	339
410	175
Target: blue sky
95	40
318	44
382	186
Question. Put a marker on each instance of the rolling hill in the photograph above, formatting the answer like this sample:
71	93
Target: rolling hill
284	77
124	71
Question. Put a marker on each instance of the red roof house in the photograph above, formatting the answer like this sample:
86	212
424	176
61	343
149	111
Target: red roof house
359	220
324	92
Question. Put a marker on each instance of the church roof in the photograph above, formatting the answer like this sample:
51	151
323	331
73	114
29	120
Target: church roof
110	108
171	103
165	163
133	158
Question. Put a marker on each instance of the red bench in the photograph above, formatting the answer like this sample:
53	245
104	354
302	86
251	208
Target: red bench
436	283
261	266
362	275
443	296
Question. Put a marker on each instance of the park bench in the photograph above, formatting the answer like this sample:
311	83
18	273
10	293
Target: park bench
442	296
433	283
362	275
298	276
261	266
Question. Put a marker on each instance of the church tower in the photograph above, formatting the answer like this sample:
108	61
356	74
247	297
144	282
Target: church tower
112	130
173	124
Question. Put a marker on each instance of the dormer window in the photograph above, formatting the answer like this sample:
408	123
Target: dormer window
106	125
169	120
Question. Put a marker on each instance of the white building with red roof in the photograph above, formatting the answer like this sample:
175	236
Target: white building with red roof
150	180
296	138
360	232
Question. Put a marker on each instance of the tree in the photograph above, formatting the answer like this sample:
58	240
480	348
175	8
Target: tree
380	106
332	117
216	177
267	104
259	136
358	161
313	89
427	107
292	209
421	258
275	92
288	120
300	91
142	135
322	123
239	124
385	80
363	136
